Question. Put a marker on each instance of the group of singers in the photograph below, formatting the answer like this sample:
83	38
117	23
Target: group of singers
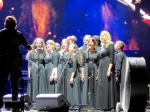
85	75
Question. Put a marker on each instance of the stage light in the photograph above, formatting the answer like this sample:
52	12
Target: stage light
122	2
128	3
54	36
125	22
86	14
1	4
49	33
12	8
134	5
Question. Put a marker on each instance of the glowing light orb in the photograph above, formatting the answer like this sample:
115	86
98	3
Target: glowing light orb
1	4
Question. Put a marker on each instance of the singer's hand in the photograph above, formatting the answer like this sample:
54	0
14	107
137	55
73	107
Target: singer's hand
117	79
55	77
82	78
97	78
51	78
71	80
109	73
28	76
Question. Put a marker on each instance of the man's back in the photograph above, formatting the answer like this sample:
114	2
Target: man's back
10	40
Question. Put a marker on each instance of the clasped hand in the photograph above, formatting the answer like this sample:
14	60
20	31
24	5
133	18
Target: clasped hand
53	78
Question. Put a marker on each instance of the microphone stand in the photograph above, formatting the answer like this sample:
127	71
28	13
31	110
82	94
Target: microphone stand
38	65
38	73
89	77
88	81
63	74
89	93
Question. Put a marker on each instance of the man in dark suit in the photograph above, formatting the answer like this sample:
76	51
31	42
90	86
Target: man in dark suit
10	40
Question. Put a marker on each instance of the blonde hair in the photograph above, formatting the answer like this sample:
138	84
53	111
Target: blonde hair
121	44
66	42
34	47
51	42
77	53
85	37
61	49
73	38
106	35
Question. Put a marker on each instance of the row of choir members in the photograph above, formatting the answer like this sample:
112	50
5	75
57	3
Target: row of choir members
52	71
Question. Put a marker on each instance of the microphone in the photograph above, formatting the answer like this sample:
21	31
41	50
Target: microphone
88	48
39	48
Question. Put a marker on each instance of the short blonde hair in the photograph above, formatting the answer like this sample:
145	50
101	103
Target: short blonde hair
106	35
51	42
73	38
121	44
86	36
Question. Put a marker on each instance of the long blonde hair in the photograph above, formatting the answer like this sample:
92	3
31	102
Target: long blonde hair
106	35
77	53
61	49
34	47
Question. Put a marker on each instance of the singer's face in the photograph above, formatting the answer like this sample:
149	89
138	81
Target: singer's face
49	47
102	39
71	48
38	44
64	44
71	41
117	46
58	46
91	44
86	40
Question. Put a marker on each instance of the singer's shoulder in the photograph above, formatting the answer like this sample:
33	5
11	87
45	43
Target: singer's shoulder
60	53
3	30
55	52
84	52
111	44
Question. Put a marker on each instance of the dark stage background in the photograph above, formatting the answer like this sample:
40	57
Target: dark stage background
57	19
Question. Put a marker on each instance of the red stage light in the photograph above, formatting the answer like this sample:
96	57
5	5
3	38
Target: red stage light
1	4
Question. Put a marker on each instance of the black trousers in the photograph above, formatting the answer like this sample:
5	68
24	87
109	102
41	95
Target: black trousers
118	91
9	66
